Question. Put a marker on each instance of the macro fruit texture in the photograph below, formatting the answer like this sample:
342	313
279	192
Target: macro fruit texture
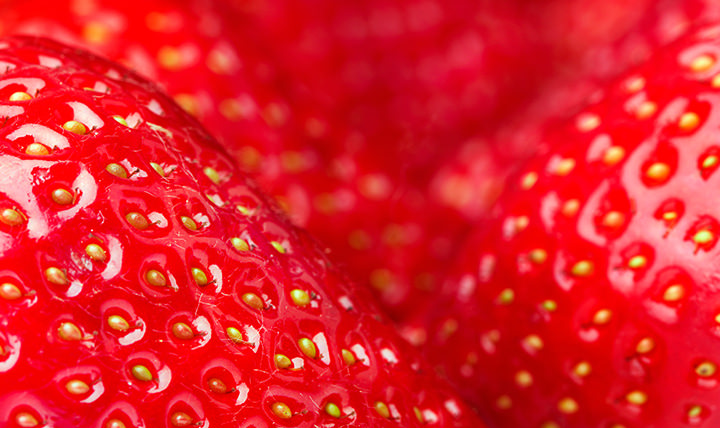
589	297
145	281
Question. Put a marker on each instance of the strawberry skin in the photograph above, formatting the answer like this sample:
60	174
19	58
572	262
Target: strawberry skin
146	282
589	297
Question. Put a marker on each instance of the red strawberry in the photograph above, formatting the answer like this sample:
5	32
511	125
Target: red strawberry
589	298
144	281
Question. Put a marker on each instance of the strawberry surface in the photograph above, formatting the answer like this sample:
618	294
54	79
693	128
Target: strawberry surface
589	297
145	281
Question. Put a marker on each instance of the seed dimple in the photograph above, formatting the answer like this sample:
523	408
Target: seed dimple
189	223
117	170
118	323
75	127
137	220
281	410
56	276
77	387
69	332
155	278
254	301
307	347
300	297
141	373
382	409
9	291
62	196
11	217
96	252
182	331
20	96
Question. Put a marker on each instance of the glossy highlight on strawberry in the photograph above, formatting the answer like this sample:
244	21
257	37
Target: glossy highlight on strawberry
146	282
589	298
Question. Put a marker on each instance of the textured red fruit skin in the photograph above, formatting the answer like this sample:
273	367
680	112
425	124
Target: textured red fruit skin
176	319
589	298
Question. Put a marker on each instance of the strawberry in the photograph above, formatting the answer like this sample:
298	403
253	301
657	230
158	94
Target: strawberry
145	281
588	298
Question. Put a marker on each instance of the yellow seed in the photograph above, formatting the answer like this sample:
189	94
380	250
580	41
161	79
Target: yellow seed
62	196
307	347
537	256
9	291
564	167
137	220
418	415
69	332
155	278
77	387
570	207
582	369
121	120
710	162
27	420
217	386
613	155
182	331
181	419
603	316
587	122
20	96
189	223
703	237
300	297
637	398
96	252
670	216
282	361
533	342
243	210
141	373
199	276
254	301
158	169
694	412
658	172
11	217
75	127
645	345
348	357
382	409
333	410
549	305
278	246
521	223
568	406
528	180
212	174
689	121
636	84
715	81
56	276
506	297
523	379
115	423
706	369
637	262
549	424
234	334
646	110
702	63
240	244
117	170
281	410
503	402
36	149
613	219
118	323
582	268
674	293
